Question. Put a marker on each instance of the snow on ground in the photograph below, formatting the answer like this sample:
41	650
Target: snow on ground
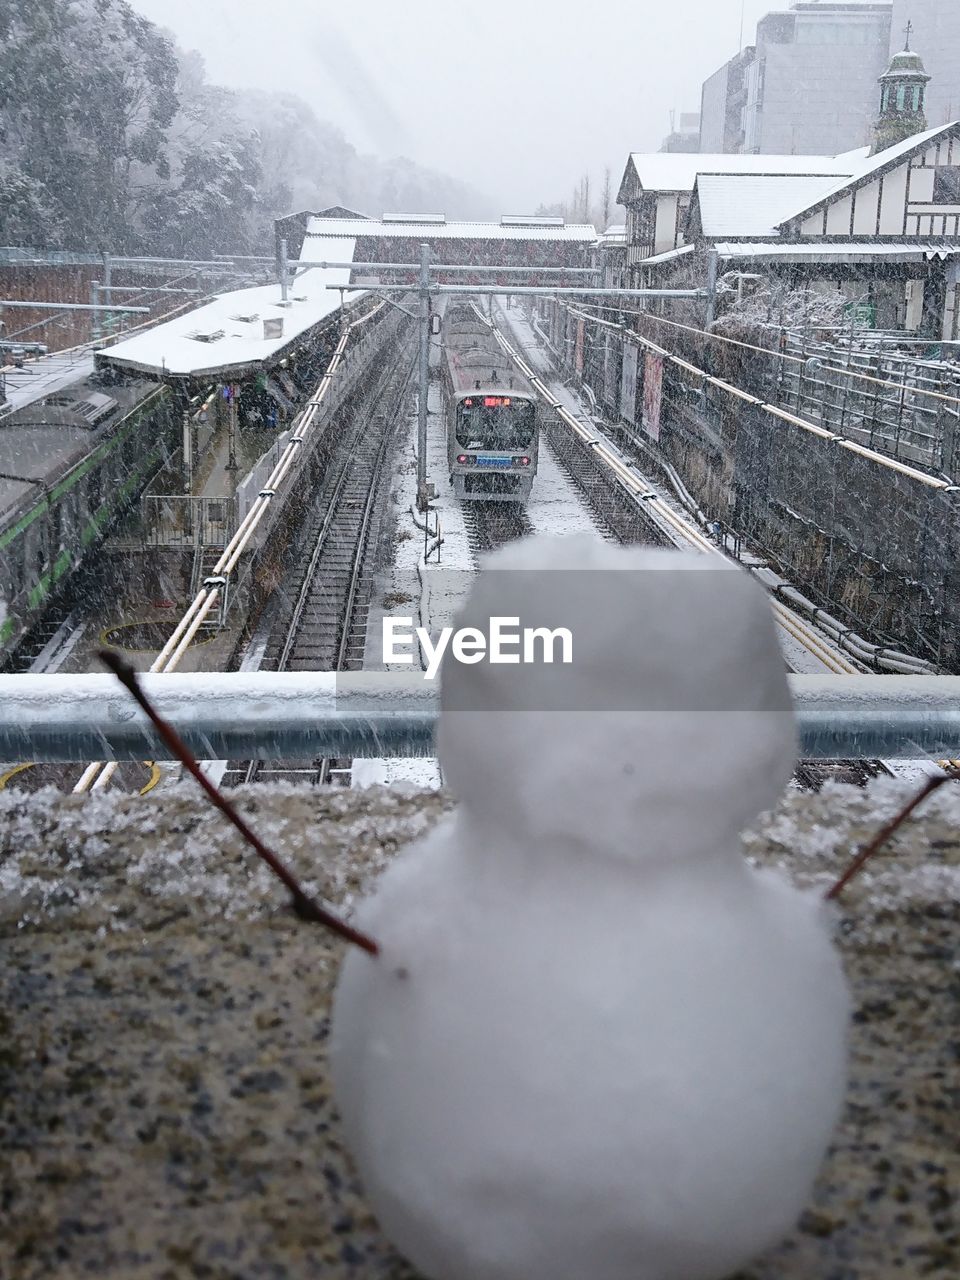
556	505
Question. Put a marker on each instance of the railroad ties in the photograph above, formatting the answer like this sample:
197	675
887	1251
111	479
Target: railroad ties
321	610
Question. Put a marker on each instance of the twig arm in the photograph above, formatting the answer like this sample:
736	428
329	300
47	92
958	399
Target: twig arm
304	905
886	831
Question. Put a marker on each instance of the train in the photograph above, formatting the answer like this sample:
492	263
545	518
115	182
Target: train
492	414
70	462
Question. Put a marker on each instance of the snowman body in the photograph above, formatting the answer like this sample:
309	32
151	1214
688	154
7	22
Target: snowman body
597	1044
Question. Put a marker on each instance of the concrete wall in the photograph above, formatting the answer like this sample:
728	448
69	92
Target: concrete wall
877	546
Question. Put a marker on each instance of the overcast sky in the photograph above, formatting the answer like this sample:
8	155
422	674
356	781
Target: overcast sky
517	97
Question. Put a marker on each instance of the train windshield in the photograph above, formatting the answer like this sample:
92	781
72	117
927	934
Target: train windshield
495	422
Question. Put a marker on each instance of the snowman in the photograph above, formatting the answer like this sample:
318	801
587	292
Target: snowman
597	1044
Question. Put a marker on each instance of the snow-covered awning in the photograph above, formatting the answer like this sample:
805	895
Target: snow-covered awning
670	256
239	331
419	228
844	251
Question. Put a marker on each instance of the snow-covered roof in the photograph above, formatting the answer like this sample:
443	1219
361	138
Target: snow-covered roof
849	250
868	168
355	227
677	170
752	204
43	376
227	336
669	256
854	158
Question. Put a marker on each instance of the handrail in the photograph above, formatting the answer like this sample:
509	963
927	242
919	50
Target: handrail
308	714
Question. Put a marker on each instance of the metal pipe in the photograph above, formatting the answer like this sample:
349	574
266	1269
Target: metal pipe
435	267
66	306
137	288
96	331
284	274
303	715
534	290
712	273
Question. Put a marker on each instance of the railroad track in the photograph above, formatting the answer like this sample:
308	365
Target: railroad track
616	512
330	586
491	524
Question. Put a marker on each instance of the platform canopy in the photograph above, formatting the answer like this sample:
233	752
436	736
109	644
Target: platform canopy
240	331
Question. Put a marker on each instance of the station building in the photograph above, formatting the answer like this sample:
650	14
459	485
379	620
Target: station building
884	227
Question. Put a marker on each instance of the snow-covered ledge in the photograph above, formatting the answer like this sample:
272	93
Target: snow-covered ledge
163	1078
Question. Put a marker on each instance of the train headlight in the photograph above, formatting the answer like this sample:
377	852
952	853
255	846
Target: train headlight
465	459
521	462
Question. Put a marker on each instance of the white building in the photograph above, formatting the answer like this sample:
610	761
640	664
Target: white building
890	231
808	84
656	188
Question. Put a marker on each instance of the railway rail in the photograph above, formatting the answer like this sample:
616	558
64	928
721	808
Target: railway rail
330	585
491	524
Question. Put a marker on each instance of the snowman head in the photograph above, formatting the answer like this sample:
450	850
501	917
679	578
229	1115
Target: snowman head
667	732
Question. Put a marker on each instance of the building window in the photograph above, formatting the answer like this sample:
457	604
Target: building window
946	184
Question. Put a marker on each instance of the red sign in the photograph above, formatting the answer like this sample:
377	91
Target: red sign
652	394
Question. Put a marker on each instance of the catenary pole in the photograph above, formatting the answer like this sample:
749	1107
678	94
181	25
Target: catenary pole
424	376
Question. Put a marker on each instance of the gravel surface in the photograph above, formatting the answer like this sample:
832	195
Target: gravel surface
164	1104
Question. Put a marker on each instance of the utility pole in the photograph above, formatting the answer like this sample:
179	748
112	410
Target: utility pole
284	274
187	453
95	304
713	266
232	413
424	289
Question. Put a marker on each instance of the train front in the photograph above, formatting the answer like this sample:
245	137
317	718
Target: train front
493	449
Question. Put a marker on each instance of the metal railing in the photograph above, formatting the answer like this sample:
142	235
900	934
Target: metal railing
896	404
182	520
306	715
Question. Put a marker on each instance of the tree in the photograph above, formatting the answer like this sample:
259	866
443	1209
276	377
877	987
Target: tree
88	91
769	303
26	216
113	139
211	209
